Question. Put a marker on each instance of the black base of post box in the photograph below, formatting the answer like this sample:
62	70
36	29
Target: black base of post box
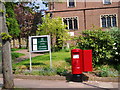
77	78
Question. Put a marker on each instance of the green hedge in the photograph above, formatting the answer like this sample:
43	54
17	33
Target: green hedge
101	44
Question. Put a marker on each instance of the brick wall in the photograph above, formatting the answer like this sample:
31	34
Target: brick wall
88	13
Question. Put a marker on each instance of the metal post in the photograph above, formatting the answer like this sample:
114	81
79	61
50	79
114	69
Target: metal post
30	61
50	51
50	59
30	53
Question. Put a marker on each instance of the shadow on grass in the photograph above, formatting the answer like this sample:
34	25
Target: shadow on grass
35	64
68	60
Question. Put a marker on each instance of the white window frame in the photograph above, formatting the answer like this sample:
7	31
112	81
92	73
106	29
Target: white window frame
106	3
111	20
72	22
68	4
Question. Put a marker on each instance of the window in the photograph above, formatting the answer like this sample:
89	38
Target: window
72	23
108	20
106	1
71	3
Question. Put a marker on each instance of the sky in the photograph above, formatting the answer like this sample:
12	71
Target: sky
40	4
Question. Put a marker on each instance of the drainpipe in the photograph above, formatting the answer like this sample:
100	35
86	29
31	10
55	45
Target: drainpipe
84	12
53	5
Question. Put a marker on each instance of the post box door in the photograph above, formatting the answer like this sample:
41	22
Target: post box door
87	60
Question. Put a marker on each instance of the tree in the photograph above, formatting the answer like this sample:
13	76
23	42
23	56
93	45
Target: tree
12	24
28	17
6	52
25	18
37	20
56	29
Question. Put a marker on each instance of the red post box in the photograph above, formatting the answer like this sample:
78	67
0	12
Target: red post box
81	62
76	55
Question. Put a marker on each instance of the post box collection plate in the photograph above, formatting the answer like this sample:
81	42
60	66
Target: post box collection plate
75	56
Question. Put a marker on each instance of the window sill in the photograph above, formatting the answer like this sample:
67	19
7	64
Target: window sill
108	27
107	3
71	6
72	29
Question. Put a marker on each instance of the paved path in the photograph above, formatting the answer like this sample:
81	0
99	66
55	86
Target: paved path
26	56
25	83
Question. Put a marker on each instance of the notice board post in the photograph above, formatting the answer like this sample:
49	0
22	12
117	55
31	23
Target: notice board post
39	44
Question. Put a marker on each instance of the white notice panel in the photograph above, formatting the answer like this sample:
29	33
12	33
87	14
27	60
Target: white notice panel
75	56
35	44
35	41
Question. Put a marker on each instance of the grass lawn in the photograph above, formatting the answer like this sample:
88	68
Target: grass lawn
16	49
17	54
59	60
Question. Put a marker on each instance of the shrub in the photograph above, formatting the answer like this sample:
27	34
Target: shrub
106	71
115	33
100	42
47	71
118	68
43	71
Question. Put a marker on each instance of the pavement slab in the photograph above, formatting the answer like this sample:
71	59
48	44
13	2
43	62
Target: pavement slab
28	83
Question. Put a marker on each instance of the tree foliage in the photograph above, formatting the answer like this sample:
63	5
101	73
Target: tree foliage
55	28
25	17
101	44
12	24
5	36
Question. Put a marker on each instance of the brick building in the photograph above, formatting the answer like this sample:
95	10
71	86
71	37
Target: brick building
83	15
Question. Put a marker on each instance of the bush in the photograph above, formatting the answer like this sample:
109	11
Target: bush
115	33
43	72
47	71
100	42
106	71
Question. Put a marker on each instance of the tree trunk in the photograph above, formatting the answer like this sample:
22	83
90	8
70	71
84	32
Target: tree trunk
52	43
13	43
19	39
59	42
27	41
6	54
7	67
